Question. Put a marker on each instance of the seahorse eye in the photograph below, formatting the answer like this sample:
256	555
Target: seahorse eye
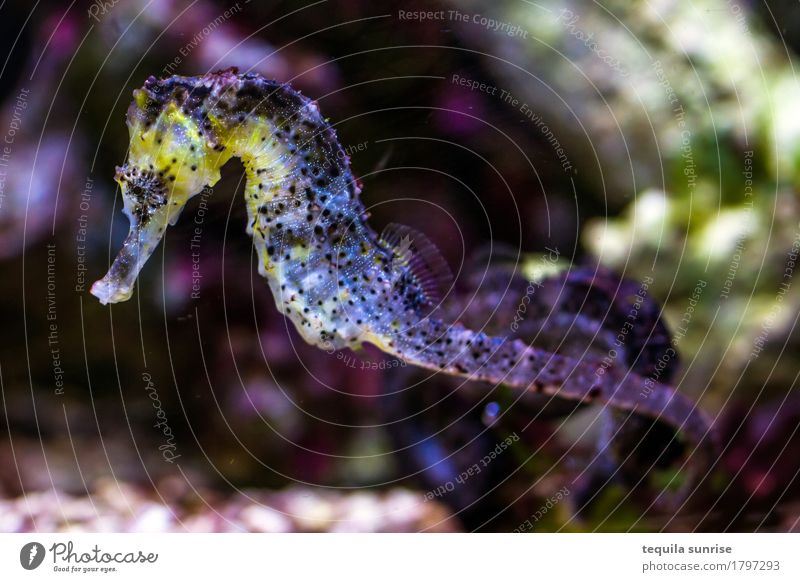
144	194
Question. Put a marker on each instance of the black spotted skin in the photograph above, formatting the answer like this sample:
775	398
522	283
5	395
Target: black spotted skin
330	273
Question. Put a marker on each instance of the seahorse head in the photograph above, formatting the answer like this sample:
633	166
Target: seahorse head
184	129
170	159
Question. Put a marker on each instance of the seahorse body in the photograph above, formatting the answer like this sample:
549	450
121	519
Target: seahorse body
339	282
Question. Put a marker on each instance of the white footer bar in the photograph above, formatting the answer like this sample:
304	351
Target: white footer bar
355	557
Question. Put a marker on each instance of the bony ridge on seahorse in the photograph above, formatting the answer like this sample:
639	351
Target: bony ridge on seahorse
339	282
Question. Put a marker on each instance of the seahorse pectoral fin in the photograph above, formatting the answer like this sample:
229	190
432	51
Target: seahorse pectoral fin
413	250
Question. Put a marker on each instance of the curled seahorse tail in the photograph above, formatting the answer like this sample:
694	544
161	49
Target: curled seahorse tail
457	350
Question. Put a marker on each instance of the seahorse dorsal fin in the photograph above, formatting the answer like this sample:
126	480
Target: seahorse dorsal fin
414	250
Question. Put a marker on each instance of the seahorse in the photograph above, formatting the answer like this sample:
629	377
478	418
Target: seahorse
340	282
